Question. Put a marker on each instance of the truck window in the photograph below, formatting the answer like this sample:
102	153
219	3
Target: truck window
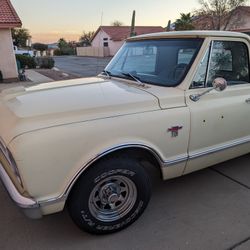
163	62
185	55
230	60
200	76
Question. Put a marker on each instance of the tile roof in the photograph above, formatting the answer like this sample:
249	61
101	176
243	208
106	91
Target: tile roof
120	33
8	15
244	8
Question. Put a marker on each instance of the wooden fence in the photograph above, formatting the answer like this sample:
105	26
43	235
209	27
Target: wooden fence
92	51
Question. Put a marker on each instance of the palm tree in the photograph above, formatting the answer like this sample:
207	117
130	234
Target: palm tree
184	23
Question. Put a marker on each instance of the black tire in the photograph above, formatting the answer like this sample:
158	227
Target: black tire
110	195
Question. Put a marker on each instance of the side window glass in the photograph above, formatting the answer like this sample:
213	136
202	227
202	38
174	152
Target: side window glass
229	60
200	76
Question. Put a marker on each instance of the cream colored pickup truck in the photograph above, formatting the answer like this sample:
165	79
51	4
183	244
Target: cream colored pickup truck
177	102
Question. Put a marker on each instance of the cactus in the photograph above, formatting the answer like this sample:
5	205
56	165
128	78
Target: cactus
168	28
132	32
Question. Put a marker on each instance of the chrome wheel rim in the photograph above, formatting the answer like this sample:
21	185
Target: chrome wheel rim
112	198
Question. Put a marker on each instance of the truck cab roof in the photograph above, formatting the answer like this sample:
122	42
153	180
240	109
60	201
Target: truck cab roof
191	34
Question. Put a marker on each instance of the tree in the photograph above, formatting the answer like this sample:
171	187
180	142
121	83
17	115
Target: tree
65	48
62	43
184	22
20	36
218	13
86	37
116	23
40	46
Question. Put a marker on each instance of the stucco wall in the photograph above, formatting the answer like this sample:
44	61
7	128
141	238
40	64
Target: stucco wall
240	20
115	46
7	57
98	41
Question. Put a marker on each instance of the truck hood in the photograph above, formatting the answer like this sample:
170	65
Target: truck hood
51	104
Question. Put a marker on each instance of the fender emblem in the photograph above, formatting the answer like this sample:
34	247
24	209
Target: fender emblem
175	130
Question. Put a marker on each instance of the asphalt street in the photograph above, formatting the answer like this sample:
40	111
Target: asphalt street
209	209
81	66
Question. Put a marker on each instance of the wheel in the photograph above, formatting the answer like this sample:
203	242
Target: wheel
110	195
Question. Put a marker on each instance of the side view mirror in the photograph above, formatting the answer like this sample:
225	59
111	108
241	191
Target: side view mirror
219	84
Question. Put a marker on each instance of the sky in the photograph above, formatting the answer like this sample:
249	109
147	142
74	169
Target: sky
49	20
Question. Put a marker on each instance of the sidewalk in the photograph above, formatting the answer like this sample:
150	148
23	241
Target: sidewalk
36	77
33	79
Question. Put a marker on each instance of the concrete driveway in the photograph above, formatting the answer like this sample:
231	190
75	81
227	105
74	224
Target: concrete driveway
81	66
209	209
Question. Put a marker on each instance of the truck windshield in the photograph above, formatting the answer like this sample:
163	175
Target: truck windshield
162	62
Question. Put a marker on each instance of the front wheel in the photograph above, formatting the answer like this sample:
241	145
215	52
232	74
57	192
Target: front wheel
110	196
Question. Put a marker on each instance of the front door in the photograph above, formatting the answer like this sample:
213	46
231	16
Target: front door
220	121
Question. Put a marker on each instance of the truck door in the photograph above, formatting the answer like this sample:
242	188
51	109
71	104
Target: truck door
220	121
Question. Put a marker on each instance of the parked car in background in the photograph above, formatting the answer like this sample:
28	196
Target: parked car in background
175	102
23	52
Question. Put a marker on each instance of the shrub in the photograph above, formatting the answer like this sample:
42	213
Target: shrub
68	51
26	61
57	52
64	51
45	62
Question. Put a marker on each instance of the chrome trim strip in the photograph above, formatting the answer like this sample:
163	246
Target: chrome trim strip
98	156
8	156
21	201
163	164
175	161
3	149
219	148
108	151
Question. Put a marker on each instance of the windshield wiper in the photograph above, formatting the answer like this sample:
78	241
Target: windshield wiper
136	78
107	73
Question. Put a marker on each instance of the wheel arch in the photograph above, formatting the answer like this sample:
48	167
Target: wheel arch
134	150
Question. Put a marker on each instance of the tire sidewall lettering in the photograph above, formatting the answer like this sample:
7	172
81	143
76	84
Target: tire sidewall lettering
114	172
128	220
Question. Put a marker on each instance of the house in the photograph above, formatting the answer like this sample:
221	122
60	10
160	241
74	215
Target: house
239	20
113	36
107	40
8	19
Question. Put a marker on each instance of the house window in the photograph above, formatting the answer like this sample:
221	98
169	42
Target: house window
105	39
105	44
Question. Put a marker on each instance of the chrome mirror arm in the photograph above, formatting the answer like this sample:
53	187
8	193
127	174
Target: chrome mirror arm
219	84
197	97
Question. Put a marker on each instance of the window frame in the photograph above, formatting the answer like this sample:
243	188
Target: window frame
210	48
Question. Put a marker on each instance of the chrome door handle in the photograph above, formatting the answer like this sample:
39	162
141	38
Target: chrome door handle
248	101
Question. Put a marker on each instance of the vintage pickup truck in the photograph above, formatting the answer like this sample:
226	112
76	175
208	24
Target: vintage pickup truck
175	102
